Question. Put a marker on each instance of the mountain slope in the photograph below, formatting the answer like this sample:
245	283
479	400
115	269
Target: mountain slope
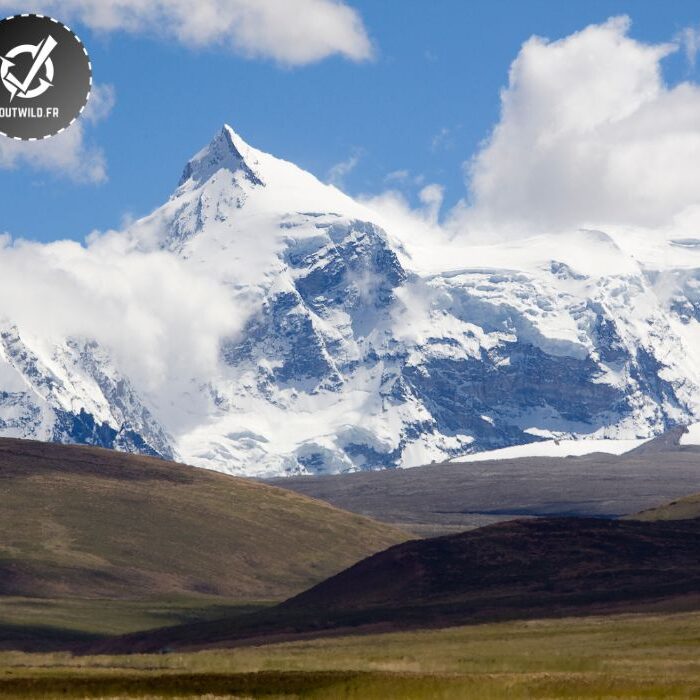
85	522
362	348
521	569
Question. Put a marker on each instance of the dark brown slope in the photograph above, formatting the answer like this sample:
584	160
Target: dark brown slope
525	568
451	497
84	522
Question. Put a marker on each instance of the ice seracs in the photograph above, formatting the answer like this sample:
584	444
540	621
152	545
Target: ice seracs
362	350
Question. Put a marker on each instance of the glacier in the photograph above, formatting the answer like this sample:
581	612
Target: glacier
364	349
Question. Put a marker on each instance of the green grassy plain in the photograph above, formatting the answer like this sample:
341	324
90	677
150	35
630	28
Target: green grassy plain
53	623
625	656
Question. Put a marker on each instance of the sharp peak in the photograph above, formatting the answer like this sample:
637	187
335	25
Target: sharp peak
234	139
226	150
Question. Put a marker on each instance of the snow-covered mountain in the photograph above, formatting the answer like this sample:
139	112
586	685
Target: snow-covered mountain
362	350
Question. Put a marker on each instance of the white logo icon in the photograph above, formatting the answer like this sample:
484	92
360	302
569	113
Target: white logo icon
40	53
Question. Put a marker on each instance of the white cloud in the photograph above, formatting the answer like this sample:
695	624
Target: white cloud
397	176
415	227
69	154
337	172
292	33
161	321
589	135
100	104
431	197
404	178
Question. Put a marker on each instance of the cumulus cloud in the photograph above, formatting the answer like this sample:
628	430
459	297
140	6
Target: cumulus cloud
292	33
70	153
589	135
162	322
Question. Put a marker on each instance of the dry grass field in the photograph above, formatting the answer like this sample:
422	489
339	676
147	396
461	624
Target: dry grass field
626	656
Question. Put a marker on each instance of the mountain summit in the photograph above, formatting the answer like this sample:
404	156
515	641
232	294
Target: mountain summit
227	151
361	350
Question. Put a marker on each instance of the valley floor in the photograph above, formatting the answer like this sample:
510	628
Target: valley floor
641	656
47	624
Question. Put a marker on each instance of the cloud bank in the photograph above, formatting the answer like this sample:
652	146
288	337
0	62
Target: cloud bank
291	33
161	321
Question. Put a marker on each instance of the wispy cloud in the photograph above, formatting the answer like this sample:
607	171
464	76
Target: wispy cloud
403	178
70	154
689	38
397	176
442	140
338	172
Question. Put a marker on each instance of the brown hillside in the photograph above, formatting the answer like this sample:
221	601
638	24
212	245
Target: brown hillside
84	522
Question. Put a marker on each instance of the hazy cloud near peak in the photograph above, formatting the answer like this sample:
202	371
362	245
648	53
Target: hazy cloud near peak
413	226
291	33
161	321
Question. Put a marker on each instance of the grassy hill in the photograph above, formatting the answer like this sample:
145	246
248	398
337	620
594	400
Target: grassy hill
532	568
82	522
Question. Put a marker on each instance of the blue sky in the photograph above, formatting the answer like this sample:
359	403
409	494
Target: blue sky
422	104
